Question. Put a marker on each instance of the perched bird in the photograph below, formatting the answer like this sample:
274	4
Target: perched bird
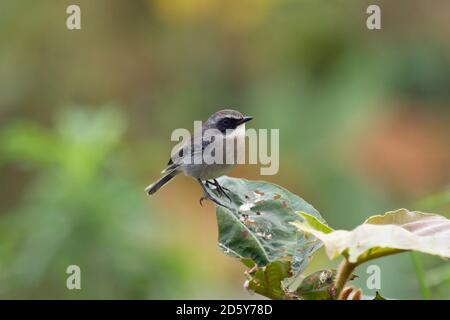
225	125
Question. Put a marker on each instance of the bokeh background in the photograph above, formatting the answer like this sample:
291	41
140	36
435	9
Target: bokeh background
86	118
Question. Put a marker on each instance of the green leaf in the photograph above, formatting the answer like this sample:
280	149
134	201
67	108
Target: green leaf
312	222
256	224
26	142
318	285
380	235
378	296
267	280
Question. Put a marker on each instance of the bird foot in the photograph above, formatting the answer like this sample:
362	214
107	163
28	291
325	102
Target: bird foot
207	196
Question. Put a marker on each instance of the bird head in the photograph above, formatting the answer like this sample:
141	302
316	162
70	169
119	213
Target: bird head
226	119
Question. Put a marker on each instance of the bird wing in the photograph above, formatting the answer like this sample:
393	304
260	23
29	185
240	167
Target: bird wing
187	149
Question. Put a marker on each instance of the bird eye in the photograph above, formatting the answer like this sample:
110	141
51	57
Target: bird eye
226	122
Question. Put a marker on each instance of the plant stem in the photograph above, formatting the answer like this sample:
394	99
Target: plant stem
346	268
420	275
345	271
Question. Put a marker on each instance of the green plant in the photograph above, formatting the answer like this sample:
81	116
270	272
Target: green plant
82	207
275	233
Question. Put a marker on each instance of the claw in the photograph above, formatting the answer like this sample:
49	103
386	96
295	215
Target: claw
207	195
210	198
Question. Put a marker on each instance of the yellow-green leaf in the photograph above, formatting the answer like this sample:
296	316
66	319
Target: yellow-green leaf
380	235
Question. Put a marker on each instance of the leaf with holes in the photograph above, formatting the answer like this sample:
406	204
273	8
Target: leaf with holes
267	281
255	224
381	235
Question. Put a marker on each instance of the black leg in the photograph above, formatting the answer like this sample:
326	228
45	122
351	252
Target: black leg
221	189
209	183
216	185
207	195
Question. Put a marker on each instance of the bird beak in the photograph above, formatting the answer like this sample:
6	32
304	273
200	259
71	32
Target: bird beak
245	119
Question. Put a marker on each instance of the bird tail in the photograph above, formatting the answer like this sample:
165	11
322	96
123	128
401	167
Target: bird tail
151	189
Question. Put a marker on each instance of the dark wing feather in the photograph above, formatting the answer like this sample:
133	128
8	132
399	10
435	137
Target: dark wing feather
177	157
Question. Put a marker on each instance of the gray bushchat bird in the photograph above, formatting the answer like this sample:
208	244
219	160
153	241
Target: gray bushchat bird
222	129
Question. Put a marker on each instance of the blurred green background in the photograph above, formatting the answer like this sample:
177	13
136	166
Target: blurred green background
86	118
